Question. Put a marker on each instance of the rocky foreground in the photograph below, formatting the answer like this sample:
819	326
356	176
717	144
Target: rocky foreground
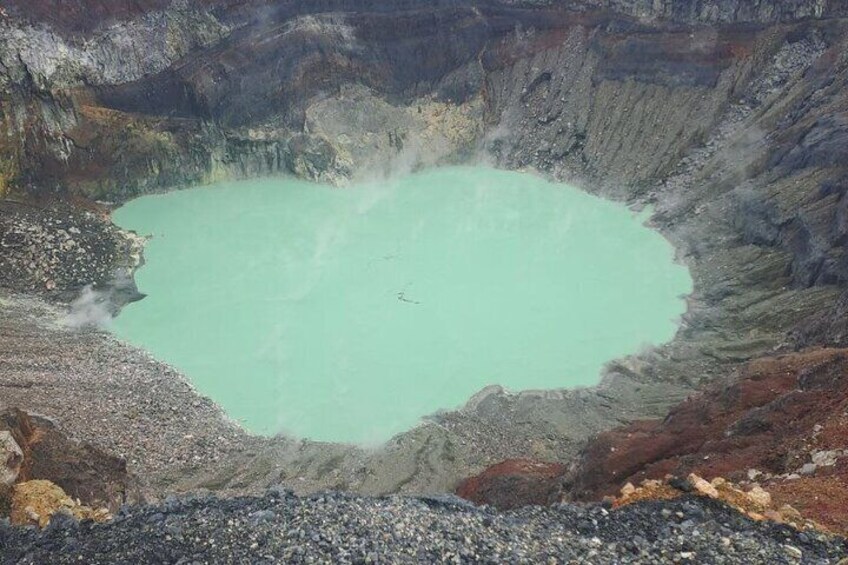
279	527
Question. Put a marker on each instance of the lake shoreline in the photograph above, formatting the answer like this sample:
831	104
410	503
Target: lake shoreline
431	285
122	400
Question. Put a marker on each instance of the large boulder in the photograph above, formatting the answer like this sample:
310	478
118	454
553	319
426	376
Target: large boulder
11	459
84	472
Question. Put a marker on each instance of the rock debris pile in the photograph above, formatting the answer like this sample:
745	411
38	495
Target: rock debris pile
337	528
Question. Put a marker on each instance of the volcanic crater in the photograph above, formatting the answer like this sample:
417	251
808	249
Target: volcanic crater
728	119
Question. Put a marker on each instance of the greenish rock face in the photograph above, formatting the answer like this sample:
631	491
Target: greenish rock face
349	314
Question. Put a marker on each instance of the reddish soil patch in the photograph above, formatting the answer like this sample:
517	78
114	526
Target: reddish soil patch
824	499
778	416
514	483
771	418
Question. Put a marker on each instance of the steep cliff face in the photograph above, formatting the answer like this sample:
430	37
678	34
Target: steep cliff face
735	134
166	93
121	109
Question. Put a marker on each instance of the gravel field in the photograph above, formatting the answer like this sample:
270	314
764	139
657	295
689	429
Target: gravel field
107	393
280	527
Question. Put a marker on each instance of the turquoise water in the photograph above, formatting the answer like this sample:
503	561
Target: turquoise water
348	314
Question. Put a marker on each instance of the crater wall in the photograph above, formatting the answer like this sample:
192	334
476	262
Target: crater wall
728	118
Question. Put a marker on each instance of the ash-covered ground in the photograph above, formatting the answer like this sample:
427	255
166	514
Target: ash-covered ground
337	528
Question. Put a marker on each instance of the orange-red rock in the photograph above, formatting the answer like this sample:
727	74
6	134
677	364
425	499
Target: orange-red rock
514	483
778	414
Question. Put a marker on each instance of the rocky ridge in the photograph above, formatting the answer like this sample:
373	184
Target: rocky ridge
722	11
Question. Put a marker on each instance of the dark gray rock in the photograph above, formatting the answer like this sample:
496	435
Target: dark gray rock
346	529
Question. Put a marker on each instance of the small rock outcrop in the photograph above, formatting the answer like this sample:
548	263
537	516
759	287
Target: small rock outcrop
756	503
36	502
52	471
11	458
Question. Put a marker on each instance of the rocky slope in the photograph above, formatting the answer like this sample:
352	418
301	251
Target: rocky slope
728	117
780	424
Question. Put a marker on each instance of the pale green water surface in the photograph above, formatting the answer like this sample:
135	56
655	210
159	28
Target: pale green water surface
348	314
